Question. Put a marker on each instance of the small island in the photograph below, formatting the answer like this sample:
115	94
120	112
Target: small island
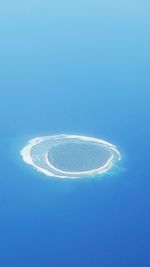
70	156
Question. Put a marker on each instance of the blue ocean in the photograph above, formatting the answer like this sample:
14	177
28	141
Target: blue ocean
75	67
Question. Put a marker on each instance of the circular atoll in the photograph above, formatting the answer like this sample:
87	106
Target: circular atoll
70	156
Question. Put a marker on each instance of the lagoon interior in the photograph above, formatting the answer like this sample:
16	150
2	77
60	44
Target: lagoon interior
78	156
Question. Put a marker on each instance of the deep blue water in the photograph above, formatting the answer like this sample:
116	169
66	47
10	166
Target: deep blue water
75	67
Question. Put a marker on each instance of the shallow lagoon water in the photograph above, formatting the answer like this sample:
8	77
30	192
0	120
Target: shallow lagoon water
70	156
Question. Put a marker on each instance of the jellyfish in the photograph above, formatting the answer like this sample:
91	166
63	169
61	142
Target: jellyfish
70	156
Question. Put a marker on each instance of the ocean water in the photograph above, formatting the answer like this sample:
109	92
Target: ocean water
75	68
